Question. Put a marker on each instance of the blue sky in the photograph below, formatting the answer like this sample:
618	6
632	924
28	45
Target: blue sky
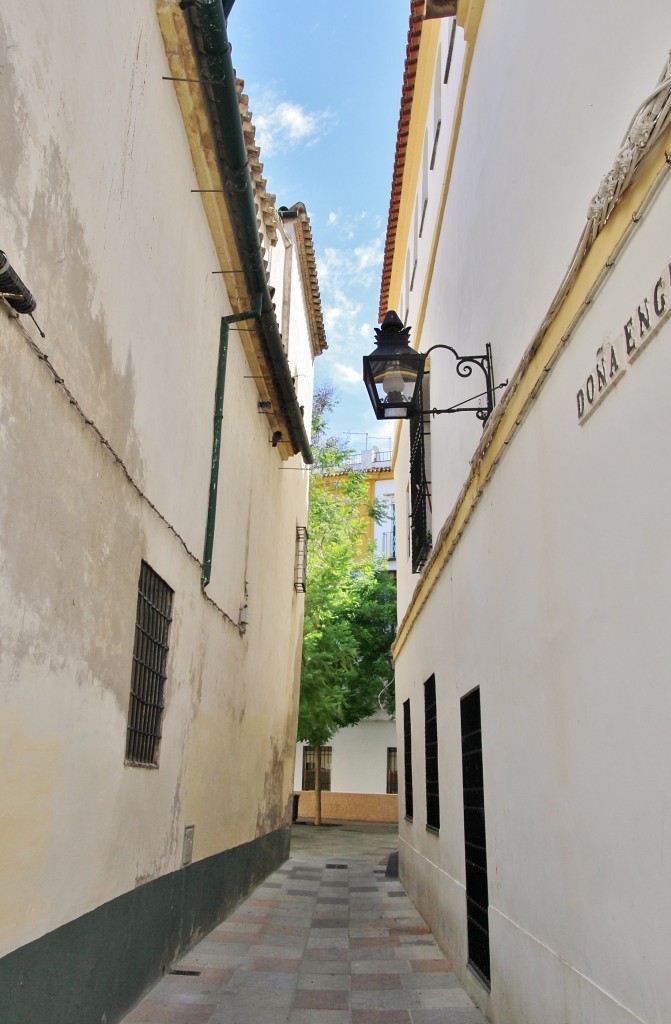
324	85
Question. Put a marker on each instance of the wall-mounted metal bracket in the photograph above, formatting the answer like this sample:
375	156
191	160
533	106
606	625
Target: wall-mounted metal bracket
464	368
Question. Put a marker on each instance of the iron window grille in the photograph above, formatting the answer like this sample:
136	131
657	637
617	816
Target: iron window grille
309	761
150	655
301	565
420	491
431	755
475	841
407	759
392	770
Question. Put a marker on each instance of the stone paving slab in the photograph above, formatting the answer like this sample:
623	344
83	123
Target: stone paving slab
327	939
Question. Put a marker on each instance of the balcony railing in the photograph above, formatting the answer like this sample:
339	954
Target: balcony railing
369	460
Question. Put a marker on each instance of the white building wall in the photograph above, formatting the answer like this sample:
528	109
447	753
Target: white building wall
554	598
359	759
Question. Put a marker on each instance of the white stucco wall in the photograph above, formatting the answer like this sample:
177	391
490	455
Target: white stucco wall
554	599
359	759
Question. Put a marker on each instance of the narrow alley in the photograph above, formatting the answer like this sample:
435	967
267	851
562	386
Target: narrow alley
326	939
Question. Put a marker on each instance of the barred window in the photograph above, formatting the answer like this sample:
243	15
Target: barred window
150	655
420	486
392	770
475	837
407	758
431	755
301	563
324	768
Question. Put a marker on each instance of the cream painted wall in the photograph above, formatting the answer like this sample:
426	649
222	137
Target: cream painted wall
359	758
555	597
100	223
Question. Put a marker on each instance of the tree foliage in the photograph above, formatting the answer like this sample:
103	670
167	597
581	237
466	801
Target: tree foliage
350	604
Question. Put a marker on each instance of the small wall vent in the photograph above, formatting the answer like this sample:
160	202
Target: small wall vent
187	849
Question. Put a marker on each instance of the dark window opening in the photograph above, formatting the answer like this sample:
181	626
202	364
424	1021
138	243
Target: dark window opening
407	758
431	755
309	762
435	146
422	218
392	770
420	490
450	51
477	895
150	655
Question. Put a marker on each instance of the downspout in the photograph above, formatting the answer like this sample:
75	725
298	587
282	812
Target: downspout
216	434
217	69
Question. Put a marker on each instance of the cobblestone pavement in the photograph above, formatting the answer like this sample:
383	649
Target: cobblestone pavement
326	939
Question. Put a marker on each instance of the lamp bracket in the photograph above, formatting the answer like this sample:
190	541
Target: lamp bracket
464	368
479	411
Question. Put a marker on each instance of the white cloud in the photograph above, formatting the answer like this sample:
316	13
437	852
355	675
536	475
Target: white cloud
385	431
369	256
346	374
332	218
341	315
345	271
287	124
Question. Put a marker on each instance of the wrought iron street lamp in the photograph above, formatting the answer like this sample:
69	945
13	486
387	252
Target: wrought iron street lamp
393	375
391	372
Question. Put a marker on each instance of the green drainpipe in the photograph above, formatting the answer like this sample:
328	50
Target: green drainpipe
216	67
216	436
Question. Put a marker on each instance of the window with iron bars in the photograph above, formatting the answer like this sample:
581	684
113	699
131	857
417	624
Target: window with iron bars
301	565
431	755
150	655
392	770
475	837
420	490
407	759
309	762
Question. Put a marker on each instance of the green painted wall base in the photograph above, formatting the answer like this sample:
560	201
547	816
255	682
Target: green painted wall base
94	969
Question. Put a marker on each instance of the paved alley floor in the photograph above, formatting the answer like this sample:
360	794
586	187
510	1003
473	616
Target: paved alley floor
326	939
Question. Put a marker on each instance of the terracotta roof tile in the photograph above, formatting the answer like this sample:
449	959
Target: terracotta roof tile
414	36
265	201
308	268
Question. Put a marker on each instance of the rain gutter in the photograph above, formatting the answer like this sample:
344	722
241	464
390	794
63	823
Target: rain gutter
216	68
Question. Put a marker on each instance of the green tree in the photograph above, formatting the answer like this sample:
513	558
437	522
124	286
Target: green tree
350	604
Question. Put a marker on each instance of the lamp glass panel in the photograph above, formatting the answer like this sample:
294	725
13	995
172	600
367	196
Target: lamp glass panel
394	381
391	379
